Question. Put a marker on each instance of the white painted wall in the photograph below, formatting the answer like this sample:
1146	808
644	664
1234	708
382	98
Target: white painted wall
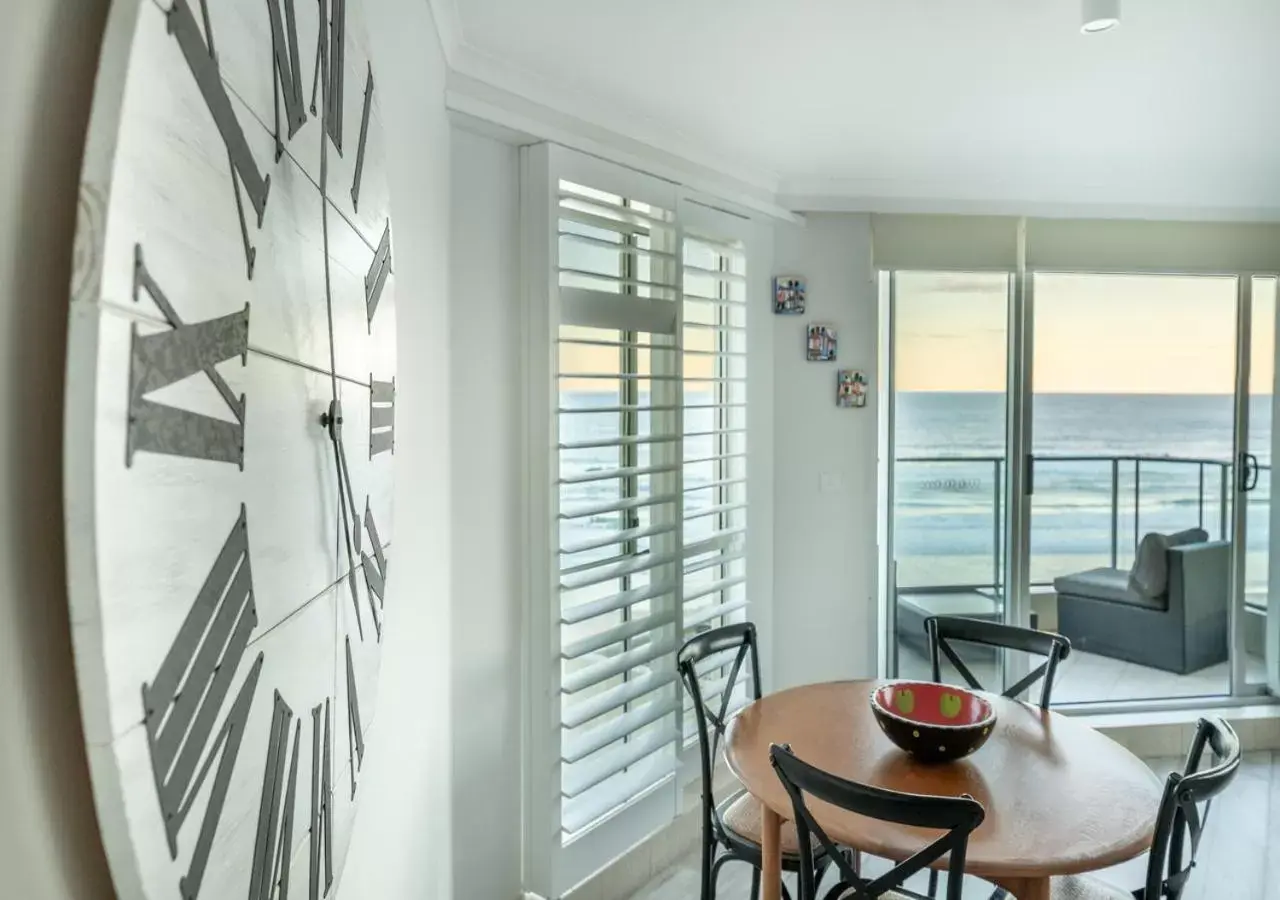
49	846
824	589
402	845
486	437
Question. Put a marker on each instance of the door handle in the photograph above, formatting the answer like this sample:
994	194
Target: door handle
1249	472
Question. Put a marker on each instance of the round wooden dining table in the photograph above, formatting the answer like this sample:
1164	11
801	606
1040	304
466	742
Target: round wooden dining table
1060	798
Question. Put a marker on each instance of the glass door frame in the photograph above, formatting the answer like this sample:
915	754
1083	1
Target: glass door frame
1019	483
886	284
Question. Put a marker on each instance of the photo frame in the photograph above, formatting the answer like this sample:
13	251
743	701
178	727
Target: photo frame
821	345
789	295
851	389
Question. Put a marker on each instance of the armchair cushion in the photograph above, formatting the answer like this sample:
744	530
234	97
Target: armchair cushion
1149	576
1107	584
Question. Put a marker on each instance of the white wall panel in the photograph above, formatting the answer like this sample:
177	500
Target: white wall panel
402	839
161	522
146	529
172	192
242	67
289	667
485	430
825	477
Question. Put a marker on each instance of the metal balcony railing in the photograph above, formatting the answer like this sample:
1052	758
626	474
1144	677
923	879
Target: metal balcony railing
952	495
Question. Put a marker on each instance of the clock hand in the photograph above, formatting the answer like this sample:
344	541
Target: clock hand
355	529
350	527
344	480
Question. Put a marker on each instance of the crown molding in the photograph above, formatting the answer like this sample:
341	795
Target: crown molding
584	106
531	108
475	98
869	196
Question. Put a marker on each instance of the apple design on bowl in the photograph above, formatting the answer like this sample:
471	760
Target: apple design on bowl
933	722
949	704
905	700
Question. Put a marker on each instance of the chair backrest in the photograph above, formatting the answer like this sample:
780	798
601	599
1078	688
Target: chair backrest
942	630
956	816
711	713
1182	815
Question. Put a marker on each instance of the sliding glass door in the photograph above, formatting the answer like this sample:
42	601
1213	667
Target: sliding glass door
1137	519
1133	423
949	337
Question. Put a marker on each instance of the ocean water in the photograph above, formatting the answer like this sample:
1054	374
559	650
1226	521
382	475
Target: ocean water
1173	452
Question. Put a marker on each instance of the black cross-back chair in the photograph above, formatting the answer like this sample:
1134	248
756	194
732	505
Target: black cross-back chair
957	816
942	630
1184	810
731	829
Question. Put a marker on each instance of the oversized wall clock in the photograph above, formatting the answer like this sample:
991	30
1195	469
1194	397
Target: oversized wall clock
230	434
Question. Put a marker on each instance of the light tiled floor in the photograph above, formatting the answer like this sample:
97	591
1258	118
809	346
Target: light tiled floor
1239	857
1087	677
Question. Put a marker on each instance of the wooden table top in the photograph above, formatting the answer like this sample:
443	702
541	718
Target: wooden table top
1060	798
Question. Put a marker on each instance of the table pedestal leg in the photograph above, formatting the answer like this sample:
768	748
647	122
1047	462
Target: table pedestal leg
771	854
1026	888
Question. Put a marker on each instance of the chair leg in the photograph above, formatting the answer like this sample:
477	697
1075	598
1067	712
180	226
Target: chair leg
708	850
755	883
715	873
999	894
933	883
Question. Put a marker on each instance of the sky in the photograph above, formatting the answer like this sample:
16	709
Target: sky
1122	334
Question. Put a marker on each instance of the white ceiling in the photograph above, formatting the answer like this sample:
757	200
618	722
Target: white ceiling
948	101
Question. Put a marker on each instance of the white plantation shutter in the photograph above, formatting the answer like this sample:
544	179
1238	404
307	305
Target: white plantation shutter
714	349
619	499
644	455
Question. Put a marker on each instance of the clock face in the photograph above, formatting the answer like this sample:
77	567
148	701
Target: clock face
230	440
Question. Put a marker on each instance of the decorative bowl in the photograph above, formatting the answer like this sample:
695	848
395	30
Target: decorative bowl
933	722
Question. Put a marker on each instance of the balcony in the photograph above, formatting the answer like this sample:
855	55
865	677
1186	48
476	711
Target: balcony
1086	512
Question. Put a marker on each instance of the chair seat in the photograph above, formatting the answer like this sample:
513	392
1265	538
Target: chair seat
741	815
1082	887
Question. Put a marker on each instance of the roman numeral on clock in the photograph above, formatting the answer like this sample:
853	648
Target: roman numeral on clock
181	705
364	136
271	856
321	802
330	67
382	416
161	359
376	277
374	577
204	66
355	733
288	79
337	71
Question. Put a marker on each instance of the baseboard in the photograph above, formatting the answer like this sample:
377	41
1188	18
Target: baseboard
1168	733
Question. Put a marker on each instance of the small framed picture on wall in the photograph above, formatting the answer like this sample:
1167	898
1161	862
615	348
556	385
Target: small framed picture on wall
822	343
788	294
851	389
